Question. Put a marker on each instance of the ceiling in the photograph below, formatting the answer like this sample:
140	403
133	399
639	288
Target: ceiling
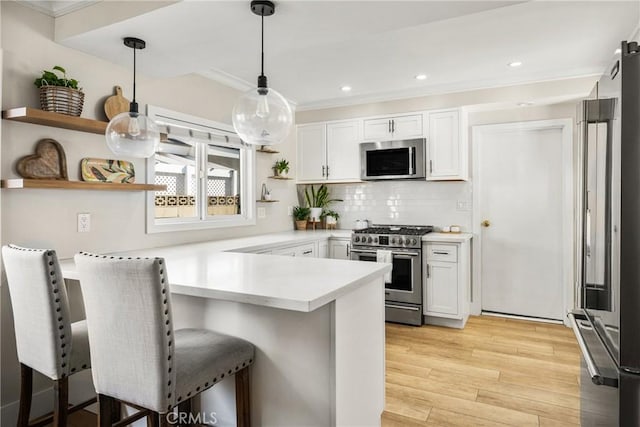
313	48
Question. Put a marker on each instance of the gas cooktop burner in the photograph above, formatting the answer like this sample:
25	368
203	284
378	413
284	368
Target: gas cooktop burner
400	229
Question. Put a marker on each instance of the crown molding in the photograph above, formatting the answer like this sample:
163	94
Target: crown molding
56	9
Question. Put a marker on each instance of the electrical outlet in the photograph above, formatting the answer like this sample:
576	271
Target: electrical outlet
290	210
84	222
262	213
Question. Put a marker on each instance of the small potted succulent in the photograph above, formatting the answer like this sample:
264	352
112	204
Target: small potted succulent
318	200
331	218
281	168
59	94
301	213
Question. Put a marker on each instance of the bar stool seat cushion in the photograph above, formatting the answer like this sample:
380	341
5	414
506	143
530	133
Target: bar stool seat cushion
80	357
203	358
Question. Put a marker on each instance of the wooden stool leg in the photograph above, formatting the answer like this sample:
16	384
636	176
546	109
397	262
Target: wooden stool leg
163	421
26	390
116	411
184	410
60	402
152	419
105	410
243	408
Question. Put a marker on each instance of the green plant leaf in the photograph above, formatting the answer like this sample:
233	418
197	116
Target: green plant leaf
59	68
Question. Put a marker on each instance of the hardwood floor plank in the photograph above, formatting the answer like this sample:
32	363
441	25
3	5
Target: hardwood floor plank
443	418
435	362
530	406
547	422
570	388
466	407
390	419
461	391
415	409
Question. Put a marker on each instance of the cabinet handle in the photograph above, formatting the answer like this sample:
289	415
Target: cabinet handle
389	126
307	252
348	250
430	166
393	126
323	171
428	271
327	171
440	253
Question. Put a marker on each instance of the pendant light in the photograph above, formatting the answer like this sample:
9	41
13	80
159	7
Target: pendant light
262	116
132	134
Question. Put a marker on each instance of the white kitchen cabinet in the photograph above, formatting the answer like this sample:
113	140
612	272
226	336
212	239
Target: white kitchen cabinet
339	248
305	250
323	249
398	127
329	152
447	147
446	283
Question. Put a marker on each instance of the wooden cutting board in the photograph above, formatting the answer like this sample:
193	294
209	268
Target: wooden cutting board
116	104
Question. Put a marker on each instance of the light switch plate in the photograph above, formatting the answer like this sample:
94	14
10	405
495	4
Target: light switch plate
290	210
84	222
262	213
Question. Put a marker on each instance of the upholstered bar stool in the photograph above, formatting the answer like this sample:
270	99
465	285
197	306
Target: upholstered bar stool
46	340
137	357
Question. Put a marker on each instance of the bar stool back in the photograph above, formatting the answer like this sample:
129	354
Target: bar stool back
137	357
46	340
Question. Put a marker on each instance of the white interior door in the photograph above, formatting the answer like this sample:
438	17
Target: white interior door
520	194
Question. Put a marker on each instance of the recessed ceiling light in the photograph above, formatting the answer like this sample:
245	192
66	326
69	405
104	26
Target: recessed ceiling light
618	51
346	88
421	77
515	64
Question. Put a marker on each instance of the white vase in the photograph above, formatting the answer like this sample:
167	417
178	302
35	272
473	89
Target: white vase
315	214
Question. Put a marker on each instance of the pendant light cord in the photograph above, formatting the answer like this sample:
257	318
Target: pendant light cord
262	46
134	74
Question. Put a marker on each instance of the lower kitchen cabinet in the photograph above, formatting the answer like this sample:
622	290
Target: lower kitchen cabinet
446	283
339	248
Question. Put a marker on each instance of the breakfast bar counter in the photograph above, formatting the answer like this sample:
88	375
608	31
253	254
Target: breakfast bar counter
317	324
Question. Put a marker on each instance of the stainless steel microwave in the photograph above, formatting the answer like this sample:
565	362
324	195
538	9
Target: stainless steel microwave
392	159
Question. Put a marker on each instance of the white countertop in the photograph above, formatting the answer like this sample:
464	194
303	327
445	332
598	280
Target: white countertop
298	284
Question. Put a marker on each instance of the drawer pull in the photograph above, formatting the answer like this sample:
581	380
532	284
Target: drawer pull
307	252
440	253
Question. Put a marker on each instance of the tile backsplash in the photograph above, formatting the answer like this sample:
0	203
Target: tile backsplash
404	202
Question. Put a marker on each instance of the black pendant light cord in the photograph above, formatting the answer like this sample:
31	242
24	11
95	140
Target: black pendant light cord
262	48
133	106
262	79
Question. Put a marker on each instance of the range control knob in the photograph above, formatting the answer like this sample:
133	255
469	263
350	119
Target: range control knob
375	240
369	239
414	241
393	240
401	241
356	239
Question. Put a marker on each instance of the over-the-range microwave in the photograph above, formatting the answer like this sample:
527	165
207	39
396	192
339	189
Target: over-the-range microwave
392	159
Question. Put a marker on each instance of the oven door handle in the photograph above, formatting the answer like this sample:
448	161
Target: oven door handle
361	251
402	307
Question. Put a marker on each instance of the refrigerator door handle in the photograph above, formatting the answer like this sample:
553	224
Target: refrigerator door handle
588	233
594	372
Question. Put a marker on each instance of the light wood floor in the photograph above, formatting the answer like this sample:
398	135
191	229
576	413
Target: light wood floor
494	372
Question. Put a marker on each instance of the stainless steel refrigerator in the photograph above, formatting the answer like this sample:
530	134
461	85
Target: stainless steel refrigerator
607	320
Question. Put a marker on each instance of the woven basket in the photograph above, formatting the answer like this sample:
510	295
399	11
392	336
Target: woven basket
63	100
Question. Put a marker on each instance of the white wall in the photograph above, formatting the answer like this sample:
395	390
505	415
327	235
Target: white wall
47	218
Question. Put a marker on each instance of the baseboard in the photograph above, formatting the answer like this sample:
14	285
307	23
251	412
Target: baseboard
531	319
80	390
443	321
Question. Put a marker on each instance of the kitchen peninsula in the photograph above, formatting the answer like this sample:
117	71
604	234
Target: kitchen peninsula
317	324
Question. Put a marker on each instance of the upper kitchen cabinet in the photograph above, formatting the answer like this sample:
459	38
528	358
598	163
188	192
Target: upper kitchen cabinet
447	146
329	152
399	127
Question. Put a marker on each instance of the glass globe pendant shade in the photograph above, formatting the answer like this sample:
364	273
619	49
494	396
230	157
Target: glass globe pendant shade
262	117
132	134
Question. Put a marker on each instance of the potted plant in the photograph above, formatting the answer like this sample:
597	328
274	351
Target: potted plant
59	94
301	213
318	200
331	218
281	168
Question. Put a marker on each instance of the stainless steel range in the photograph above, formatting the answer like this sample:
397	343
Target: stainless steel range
403	293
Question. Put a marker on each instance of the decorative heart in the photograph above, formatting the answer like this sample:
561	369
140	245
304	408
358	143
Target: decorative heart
49	162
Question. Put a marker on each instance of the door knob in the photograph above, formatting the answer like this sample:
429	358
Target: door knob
485	223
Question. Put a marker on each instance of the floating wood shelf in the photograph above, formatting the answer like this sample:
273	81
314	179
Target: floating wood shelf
77	185
45	118
267	201
279	177
268	150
